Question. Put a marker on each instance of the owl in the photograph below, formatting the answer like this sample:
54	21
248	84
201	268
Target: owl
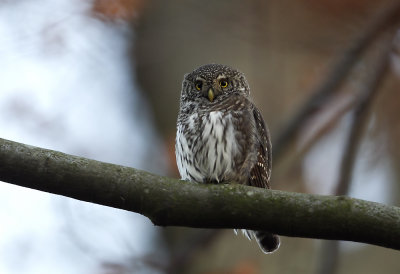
221	135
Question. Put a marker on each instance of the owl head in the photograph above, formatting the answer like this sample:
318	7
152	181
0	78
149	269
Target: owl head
213	83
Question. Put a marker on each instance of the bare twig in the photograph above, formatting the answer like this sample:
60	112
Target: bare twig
336	76
330	250
358	123
321	129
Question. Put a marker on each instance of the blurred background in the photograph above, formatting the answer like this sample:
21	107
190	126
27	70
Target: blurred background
101	79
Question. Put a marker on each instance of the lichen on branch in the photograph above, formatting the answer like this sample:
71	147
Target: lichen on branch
172	202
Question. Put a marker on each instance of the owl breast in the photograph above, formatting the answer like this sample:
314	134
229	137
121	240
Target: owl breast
207	148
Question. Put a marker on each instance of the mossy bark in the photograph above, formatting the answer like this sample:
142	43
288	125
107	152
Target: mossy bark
171	202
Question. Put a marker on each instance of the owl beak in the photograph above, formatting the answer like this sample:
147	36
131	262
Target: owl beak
210	94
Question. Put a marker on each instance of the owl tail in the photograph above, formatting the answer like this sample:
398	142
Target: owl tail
267	241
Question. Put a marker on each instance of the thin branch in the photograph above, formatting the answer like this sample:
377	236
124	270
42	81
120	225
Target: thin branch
171	202
330	250
336	76
322	128
359	121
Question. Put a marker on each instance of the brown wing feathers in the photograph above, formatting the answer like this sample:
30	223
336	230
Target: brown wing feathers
260	173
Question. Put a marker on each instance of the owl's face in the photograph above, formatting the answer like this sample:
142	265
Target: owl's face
212	84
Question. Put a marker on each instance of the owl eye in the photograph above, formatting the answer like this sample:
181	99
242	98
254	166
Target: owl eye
199	85
223	83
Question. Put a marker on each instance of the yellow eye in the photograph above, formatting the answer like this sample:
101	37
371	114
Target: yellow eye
199	85
223	83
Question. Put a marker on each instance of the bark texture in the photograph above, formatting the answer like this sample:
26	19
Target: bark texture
171	202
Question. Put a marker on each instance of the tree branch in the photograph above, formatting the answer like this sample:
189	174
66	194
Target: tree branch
374	79
172	202
385	18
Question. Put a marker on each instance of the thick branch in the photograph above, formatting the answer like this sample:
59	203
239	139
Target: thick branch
172	202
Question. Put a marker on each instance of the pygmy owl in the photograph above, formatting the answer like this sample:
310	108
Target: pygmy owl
221	136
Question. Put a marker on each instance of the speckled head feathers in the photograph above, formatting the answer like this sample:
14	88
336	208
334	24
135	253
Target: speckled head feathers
221	79
212	71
